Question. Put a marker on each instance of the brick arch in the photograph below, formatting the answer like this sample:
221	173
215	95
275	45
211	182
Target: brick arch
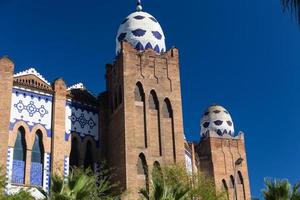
46	139
167	111
154	114
78	148
13	133
84	147
153	100
139	94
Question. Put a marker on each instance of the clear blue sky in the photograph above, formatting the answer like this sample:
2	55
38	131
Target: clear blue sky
243	55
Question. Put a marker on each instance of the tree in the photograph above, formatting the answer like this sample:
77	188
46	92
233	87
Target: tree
281	190
81	185
292	6
175	183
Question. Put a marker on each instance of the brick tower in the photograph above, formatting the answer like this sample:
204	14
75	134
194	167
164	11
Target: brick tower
145	126
222	154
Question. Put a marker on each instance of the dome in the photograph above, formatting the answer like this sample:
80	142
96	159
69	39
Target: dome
141	30
217	119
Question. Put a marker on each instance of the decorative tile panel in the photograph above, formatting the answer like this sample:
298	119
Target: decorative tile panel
66	166
9	167
81	119
32	108
36	174
46	176
18	172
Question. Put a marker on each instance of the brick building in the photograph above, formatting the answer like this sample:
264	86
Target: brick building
134	125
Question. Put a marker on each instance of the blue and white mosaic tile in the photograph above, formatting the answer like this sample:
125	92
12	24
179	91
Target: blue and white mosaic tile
32	108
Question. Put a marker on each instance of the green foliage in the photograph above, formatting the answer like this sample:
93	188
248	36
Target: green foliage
82	185
281	190
175	183
292	6
22	195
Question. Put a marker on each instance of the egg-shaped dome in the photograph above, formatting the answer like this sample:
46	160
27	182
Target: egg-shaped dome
216	119
142	31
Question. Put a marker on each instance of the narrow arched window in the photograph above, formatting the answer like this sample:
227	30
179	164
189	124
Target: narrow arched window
153	101
74	155
225	188
88	158
240	178
139	92
167	111
36	170
19	158
142	169
232	181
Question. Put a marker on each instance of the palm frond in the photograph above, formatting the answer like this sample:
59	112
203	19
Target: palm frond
293	7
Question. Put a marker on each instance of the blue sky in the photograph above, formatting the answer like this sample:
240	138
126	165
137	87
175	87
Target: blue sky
243	55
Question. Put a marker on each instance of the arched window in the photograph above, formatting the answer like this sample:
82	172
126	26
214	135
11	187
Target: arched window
156	169
19	158
241	182
74	155
139	97
225	187
232	181
139	94
154	105
142	169
88	158
37	155
167	111
153	101
240	178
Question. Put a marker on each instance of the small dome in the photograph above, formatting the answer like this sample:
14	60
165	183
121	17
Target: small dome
217	119
142	31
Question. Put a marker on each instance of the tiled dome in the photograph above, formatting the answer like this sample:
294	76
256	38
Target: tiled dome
217	119
142	31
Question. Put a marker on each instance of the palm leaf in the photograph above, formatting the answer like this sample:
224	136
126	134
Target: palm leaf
292	6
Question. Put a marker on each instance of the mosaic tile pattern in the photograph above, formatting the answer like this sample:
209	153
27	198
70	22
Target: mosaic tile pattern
217	119
82	120
36	174
46	172
142	31
18	172
32	108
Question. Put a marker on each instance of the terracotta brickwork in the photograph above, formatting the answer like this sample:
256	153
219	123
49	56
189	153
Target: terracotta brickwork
6	83
60	148
218	156
139	126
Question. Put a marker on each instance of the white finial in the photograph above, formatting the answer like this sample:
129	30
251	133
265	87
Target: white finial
139	6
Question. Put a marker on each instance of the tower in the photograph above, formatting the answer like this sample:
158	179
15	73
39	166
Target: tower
145	127
222	154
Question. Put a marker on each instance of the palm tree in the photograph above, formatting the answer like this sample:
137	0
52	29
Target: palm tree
281	190
80	185
292	6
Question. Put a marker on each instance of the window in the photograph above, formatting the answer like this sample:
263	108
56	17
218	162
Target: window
139	92
167	111
19	158
36	169
240	178
74	155
88	159
231	181
153	101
